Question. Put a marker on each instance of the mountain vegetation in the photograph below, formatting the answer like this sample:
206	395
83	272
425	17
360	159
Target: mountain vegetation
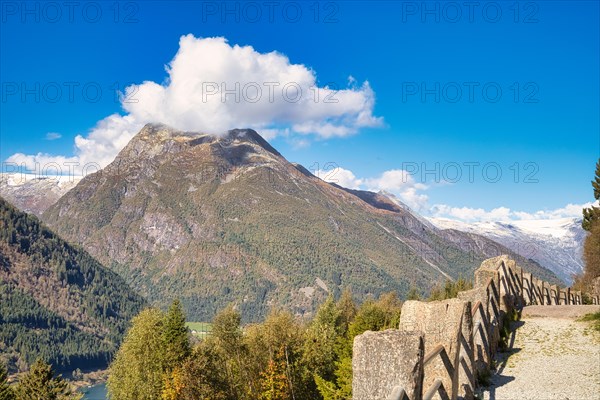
57	303
6	392
220	220
450	289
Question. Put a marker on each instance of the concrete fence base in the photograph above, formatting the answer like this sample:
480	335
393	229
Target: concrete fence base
386	363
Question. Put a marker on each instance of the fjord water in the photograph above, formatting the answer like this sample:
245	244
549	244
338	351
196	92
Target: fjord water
97	392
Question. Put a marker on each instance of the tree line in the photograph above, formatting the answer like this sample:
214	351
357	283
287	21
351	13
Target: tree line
280	358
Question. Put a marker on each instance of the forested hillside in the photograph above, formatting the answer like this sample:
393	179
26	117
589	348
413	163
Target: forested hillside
56	301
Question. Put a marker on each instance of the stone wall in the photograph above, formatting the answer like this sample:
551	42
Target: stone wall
441	347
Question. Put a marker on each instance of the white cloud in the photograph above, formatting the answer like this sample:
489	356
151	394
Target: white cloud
92	152
468	214
403	185
41	163
340	176
398	182
568	211
213	86
53	135
106	139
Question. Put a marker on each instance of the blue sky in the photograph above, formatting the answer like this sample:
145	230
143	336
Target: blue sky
541	131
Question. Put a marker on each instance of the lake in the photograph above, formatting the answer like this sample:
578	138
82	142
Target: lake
97	392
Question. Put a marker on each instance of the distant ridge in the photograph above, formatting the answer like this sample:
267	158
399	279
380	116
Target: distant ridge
32	193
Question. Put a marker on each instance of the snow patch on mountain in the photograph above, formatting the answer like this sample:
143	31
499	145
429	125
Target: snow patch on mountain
556	244
35	193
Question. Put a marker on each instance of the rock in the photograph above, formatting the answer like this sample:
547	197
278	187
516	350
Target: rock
447	323
384	362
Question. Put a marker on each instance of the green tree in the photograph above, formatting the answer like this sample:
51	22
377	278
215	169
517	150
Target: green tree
450	289
274	380
137	373
347	309
592	215
413	294
372	315
199	377
228	340
591	254
390	305
437	293
40	383
275	355
591	246
322	337
6	392
175	337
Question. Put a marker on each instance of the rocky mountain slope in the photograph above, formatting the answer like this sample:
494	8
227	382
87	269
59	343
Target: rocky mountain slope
56	301
218	220
556	244
32	193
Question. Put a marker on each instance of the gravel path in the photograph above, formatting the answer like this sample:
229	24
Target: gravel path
552	357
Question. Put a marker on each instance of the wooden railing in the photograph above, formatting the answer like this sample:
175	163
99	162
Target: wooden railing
449	370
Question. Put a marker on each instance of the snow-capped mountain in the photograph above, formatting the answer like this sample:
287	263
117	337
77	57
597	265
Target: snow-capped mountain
556	244
32	193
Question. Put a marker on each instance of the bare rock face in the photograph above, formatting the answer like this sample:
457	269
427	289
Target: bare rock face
383	362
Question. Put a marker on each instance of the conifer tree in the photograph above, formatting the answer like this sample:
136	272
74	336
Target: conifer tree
40	383
592	215
6	392
137	373
175	337
227	338
347	309
591	254
413	294
591	246
321	339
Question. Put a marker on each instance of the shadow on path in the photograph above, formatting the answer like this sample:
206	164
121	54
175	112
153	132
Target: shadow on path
499	380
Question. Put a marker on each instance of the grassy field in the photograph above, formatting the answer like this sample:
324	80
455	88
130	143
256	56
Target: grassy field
200	329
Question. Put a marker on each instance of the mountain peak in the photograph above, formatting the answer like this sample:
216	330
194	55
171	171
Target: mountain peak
156	138
253	136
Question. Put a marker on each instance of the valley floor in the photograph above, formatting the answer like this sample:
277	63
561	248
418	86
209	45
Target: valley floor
553	355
